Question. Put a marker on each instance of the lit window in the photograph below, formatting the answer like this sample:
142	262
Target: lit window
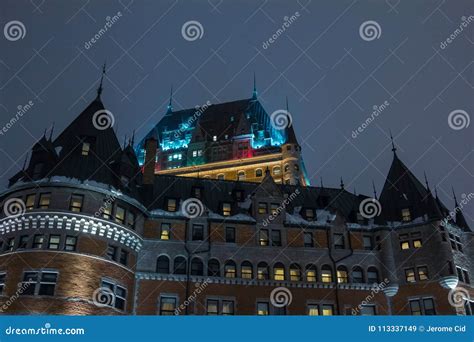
342	275
313	310
30	202
308	240
274	209
277	171
262	208
423	273
417	243
212	307
311	273
263	237
194	154
227	307
167	306
262	271
262	309
70	244
38	241
165	231
76	203
44	201
410	275
241	175
54	241
326	274
406	215
85	149
295	273
107	212
119	214
11	244
328	310
404	245
214	138
230	270
171	204
278	272
226	209
230	234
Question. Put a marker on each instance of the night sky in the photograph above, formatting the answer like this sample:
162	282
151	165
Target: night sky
332	76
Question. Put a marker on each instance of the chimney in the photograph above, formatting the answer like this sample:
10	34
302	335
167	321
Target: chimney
151	146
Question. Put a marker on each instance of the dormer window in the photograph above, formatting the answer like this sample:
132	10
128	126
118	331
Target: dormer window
309	213
258	173
277	171
241	175
85	148
226	209
406	215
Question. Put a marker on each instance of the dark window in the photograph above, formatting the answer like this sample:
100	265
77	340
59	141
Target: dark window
263	309
338	241
163	265
10	245
38	241
198	232
180	265
424	306
119	214
197	192
238	195
466	277
131	220
3	275
30	202
263	237
111	252
230	234
76	203
117	293
367	310
47	283
213	268
71	242
367	242
167	306
258	173
276	238
39	283
262	271
308	240
54	241
171	204
357	275
197	267
372	275
45	200
309	213
212	307
23	241
123	259
415	307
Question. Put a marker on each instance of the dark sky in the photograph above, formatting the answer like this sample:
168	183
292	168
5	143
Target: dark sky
332	76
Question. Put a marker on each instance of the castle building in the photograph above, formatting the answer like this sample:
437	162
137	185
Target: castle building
212	214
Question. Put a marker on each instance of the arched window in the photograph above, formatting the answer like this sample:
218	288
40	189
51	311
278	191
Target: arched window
279	271
372	275
163	265
262	271
295	272
311	275
276	170
221	176
197	267
180	265
357	275
342	277
326	274
258	173
246	270
241	175
287	167
213	268
230	270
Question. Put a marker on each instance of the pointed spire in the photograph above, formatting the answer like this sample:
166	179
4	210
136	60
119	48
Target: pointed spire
436	193
133	138
24	163
321	181
287	107
454	196
170	103
375	191
394	149
342	184
51	132
254	93
99	90
44	133
460	219
426	182
124	141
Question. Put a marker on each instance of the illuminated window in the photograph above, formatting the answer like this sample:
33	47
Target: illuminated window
45	200
213	268
70	244
313	310
76	203
308	239
198	232
262	309
197	267
262	208
295	272
171	204
241	175
417	243
263	237
120	214
311	275
404	245
357	275
326	274
163	265
423	273
38	241
328	309
85	149
276	238
274	209
214	138
258	173
230	269
212	307
406	215
226	209
372	275
410	275
342	277
230	234
227	307
54	241
194	154
279	272
30	202
262	271
107	212
165	231
167	306
246	270
180	265
276	171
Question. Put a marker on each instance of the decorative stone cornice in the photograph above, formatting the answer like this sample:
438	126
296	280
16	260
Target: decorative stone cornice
72	222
